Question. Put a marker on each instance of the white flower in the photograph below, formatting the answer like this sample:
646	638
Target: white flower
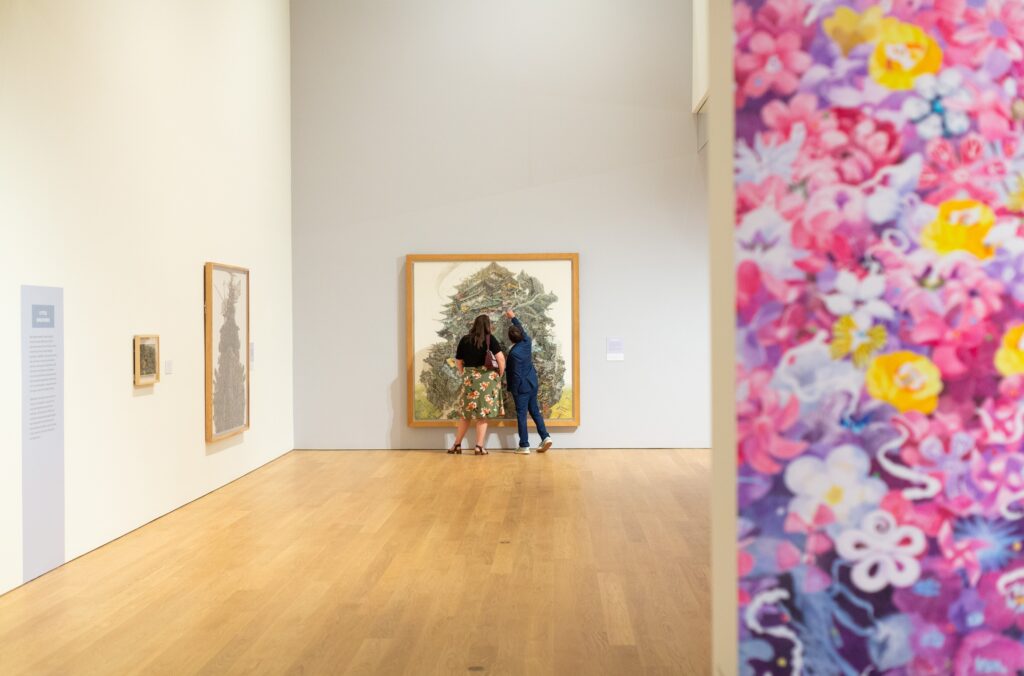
883	553
940	107
809	372
1003	235
763	237
859	298
899	182
840	482
754	165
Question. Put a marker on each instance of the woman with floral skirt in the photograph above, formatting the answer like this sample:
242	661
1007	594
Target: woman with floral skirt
481	398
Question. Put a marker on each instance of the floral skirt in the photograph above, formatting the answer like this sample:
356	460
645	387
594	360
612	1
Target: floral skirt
481	395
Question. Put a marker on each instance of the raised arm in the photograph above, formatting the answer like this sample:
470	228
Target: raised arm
515	320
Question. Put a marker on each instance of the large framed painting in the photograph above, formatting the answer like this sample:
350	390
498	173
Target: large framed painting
227	350
147	360
444	293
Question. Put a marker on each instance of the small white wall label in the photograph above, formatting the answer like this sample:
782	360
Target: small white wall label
616	349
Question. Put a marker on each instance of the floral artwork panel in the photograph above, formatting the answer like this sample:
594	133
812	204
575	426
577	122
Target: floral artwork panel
879	178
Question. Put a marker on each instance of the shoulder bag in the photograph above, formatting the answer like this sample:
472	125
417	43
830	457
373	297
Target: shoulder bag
490	361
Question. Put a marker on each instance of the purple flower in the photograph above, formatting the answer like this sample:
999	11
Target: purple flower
968	612
1010	271
933	647
933	593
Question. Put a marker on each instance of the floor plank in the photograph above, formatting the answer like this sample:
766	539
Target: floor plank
395	562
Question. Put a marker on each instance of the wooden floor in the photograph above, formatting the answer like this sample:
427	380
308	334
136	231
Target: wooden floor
395	562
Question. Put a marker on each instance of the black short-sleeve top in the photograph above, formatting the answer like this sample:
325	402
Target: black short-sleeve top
471	355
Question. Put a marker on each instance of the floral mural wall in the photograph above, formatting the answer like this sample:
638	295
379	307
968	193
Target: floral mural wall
880	333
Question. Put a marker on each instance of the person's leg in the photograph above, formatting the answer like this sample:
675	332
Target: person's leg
481	434
538	420
460	432
522	406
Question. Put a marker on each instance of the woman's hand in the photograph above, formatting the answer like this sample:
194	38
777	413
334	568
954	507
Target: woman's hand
460	366
501	363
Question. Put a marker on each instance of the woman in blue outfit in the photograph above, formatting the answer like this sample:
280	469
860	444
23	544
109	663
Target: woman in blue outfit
523	385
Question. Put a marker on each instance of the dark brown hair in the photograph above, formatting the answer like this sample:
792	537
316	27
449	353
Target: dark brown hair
481	329
515	334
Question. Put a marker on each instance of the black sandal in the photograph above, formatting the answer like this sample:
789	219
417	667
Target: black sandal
455	450
480	450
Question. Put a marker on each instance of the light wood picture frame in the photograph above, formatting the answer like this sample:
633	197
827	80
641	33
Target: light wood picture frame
545	285
226	297
146	359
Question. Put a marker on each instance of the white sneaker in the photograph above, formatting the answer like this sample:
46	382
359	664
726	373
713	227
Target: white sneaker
544	445
525	450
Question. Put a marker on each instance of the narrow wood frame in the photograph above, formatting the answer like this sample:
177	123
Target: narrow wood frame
410	317
137	365
208	330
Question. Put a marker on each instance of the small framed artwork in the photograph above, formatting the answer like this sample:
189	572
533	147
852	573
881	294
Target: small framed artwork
227	350
147	360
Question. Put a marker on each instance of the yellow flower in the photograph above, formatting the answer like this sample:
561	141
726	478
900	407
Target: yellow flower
962	225
1010	356
908	381
903	53
849	338
848	29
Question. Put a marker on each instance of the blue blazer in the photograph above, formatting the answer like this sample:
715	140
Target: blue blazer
522	376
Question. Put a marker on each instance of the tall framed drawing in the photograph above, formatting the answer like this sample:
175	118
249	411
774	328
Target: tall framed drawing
146	350
227	350
444	293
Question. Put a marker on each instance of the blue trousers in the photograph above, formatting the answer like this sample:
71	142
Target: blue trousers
527	402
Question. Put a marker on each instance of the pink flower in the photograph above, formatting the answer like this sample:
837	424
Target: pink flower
779	16
1002	423
748	283
858	144
992	113
965	172
742	21
970	290
936	330
802	108
963	553
750	196
772	63
994	25
1003	593
764	417
927	515
787	329
985	652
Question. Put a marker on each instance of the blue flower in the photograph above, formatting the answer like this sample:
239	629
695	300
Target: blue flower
997	536
940	107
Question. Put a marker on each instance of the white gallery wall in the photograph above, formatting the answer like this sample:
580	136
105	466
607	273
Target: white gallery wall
141	139
489	126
